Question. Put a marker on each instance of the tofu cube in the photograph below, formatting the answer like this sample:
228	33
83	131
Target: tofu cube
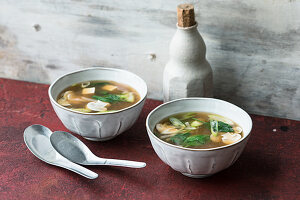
88	90
109	87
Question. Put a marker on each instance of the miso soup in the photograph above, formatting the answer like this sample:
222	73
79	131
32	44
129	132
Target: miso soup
198	130
98	96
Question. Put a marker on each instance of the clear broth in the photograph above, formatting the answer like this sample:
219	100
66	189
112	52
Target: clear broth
121	88
201	130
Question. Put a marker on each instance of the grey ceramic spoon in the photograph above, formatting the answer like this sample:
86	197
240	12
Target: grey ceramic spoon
37	139
73	149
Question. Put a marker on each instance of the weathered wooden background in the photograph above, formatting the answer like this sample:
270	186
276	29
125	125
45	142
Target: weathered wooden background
253	46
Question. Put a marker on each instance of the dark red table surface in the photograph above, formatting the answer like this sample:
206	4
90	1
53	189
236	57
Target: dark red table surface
267	169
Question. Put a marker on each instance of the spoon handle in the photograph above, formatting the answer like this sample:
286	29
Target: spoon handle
78	169
116	162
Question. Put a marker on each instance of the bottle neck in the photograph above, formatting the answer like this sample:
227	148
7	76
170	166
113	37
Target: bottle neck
187	28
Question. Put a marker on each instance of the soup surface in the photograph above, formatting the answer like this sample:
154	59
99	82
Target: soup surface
98	96
198	130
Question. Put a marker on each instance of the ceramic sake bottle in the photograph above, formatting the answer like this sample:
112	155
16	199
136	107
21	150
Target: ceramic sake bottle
187	73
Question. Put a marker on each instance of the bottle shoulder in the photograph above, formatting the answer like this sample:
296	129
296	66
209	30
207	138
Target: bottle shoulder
187	71
187	45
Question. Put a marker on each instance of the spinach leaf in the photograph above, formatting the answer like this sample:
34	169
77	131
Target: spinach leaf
223	127
179	138
218	126
99	98
98	84
103	92
195	140
110	98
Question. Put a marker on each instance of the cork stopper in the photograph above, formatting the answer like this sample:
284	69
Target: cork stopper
185	15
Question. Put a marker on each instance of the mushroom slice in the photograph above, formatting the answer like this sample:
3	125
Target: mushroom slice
237	129
97	106
76	99
229	138
62	101
217	138
166	129
86	99
67	94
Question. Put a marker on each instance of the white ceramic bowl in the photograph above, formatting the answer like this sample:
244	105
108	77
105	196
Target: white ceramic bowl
198	163
98	126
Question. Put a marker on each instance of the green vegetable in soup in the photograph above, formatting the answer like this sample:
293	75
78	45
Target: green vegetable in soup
218	126
214	128
196	123
220	118
110	98
83	96
198	130
195	140
199	120
223	127
98	84
187	116
176	122
127	97
179	138
103	92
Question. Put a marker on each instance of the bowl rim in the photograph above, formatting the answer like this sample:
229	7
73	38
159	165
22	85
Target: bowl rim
193	149
97	68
